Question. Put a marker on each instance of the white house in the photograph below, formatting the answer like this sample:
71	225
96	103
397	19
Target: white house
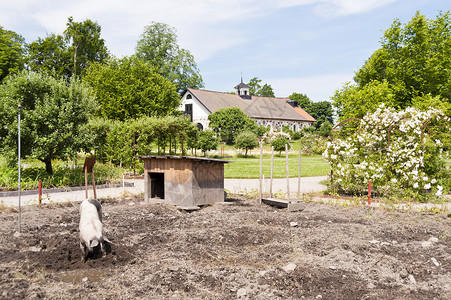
267	111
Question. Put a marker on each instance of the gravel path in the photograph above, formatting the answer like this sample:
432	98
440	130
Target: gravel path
235	186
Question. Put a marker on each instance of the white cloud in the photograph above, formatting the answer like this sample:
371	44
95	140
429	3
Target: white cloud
349	7
317	88
328	8
204	27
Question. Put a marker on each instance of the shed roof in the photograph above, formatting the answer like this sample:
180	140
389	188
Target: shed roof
195	158
255	107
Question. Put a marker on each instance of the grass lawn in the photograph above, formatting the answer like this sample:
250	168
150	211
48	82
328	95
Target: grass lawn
250	167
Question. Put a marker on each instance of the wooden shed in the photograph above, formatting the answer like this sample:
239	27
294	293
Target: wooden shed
184	181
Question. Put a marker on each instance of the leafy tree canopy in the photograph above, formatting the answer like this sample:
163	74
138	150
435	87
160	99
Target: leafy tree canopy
229	122
131	88
71	53
322	110
279	143
12	51
246	140
303	100
414	61
85	44
158	46
255	89
52	113
207	141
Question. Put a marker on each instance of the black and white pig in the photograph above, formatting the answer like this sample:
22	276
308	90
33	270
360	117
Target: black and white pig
91	228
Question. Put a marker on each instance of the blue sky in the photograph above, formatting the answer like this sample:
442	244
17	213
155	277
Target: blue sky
303	46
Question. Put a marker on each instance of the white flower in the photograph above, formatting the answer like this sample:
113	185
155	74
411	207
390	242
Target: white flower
427	186
394	180
439	187
425	178
433	181
415	185
438	193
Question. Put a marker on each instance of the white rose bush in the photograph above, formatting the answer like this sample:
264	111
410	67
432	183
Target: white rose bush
396	151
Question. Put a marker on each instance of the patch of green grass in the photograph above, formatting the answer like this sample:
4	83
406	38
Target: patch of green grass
249	167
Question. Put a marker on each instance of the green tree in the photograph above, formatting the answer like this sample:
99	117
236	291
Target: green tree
131	88
255	89
414	60
254	86
158	46
246	140
53	111
321	110
69	54
325	129
303	100
50	55
85	44
12	51
266	91
207	141
279	143
229	122
354	102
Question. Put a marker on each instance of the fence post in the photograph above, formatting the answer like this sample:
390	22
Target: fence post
261	172
40	192
272	168
299	175
288	172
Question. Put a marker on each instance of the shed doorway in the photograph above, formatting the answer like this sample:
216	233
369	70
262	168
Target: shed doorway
156	185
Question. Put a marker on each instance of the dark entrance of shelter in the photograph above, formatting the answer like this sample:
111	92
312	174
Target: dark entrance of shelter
156	185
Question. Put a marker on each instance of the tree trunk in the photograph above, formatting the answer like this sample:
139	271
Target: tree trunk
48	166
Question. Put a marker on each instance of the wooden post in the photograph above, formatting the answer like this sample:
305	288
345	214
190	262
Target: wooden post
288	172
134	156
272	168
299	175
261	172
89	167
93	184
40	192
86	182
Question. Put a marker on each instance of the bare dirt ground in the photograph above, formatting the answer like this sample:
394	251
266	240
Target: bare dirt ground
234	250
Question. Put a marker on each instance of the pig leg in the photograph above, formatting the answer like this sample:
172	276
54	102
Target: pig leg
83	252
102	247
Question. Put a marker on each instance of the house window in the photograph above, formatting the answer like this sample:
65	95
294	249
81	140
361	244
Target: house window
189	111
200	126
189	96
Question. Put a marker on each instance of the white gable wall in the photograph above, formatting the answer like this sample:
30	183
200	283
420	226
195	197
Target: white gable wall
200	112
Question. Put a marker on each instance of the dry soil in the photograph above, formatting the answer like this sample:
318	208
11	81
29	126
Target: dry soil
233	250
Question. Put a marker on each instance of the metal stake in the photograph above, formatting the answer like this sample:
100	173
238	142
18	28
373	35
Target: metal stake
18	154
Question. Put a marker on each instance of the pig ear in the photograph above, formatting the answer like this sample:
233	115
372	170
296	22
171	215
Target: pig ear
93	243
